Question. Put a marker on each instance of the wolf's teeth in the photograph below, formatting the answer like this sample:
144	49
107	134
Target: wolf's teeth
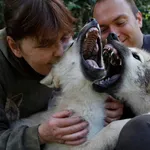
105	52
118	57
106	80
115	51
109	48
98	26
113	62
112	53
120	63
93	29
90	30
86	35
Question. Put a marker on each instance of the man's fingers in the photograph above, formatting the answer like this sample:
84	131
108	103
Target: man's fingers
105	124
114	113
113	105
109	120
114	110
63	114
110	99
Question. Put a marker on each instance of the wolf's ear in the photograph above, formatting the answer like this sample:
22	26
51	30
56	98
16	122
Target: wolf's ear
51	81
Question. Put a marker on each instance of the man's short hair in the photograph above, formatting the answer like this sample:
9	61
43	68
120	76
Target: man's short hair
131	4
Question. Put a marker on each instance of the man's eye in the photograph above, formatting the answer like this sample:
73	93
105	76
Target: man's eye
121	23
103	30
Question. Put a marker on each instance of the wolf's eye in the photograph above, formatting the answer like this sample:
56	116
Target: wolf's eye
136	56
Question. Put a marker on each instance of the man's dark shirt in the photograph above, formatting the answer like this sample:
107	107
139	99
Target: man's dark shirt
146	42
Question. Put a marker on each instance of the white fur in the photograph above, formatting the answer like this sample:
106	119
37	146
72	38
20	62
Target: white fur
135	90
77	94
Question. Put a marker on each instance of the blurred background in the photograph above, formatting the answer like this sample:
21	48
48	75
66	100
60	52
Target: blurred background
82	10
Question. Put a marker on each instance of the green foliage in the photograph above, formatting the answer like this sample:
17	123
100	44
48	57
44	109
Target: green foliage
144	7
82	10
1	14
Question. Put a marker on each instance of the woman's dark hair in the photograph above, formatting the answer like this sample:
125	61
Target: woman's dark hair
41	19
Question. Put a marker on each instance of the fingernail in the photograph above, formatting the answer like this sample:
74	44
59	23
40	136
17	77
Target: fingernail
71	112
87	123
82	118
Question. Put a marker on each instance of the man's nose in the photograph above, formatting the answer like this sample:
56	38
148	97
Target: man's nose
114	30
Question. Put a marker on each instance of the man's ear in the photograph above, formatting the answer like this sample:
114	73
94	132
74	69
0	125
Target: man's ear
139	19
14	47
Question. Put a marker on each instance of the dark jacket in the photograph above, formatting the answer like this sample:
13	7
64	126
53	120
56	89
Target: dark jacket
128	113
21	95
146	43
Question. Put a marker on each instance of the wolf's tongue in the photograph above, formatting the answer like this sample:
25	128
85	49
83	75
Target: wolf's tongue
92	63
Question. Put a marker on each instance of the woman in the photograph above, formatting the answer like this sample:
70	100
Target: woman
32	41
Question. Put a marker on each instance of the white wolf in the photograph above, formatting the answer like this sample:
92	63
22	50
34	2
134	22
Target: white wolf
76	72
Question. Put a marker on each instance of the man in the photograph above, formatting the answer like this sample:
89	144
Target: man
123	18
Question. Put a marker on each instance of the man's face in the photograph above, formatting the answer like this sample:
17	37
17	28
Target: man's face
116	16
41	59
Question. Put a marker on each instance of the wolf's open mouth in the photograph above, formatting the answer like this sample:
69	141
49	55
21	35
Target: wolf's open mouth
106	59
91	46
91	52
113	66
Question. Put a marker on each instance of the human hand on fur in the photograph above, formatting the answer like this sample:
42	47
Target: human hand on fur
62	128
114	110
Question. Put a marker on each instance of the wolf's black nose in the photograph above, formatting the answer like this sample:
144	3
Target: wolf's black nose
112	36
91	19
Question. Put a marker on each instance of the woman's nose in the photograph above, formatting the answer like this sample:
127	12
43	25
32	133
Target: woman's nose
59	52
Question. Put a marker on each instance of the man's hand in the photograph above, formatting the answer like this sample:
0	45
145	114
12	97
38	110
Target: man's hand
62	128
114	110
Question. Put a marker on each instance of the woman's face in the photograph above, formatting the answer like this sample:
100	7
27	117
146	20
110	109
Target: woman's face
41	59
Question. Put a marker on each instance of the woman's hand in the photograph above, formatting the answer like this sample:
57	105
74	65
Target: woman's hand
114	110
62	128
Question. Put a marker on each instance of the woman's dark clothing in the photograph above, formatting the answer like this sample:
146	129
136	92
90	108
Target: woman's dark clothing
21	95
